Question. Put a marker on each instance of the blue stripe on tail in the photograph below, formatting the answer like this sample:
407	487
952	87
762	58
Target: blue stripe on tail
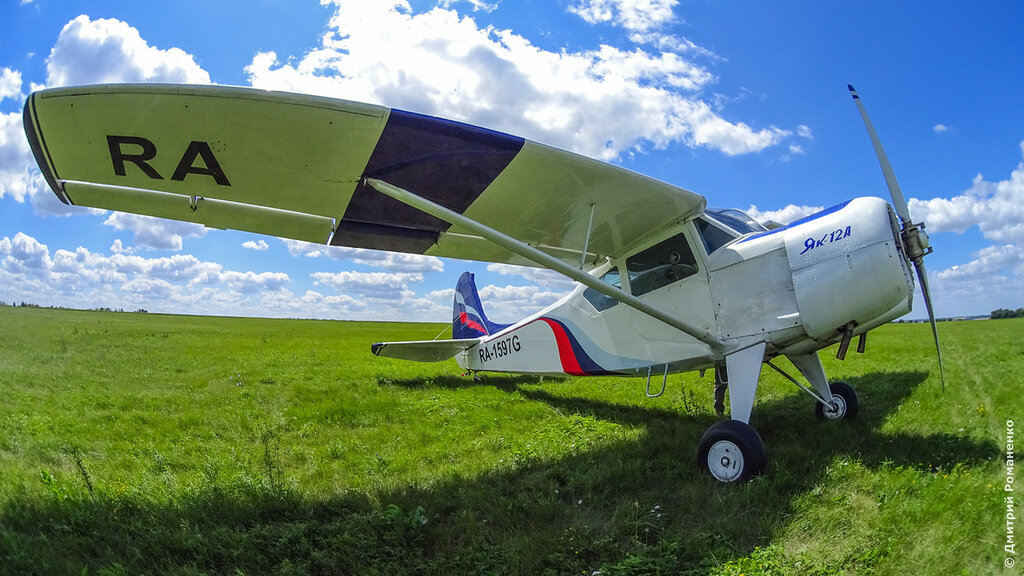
468	318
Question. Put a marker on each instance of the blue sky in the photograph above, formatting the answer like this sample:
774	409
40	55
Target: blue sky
742	102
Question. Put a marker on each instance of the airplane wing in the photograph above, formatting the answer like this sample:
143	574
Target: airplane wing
296	166
423	350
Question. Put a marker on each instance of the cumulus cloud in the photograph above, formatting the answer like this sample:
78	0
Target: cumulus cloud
181	283
601	102
785	215
377	284
996	208
248	282
156	233
993	259
542	276
994	277
258	245
108	50
18	176
478	5
10	84
637	15
393	261
513	303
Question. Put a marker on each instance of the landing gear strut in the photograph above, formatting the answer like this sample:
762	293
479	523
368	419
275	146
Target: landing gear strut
732	451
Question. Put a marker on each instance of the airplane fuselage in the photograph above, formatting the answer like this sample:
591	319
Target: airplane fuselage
795	287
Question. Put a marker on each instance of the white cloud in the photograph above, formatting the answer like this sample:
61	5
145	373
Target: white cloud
513	303
994	277
383	285
178	284
108	50
258	245
156	233
637	15
119	248
10	84
804	131
940	128
18	176
393	261
247	282
478	5
996	208
990	260
783	216
122	280
601	102
542	276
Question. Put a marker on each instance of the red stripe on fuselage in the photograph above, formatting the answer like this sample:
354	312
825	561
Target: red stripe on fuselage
565	354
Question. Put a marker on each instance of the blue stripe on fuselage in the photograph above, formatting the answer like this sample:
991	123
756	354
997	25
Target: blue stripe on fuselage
803	220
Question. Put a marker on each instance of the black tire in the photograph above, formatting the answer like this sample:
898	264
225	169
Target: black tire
847	400
736	448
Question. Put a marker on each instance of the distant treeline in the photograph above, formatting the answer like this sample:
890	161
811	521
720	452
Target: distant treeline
31	305
1004	313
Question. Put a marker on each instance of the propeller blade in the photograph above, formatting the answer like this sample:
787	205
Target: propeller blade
890	177
922	275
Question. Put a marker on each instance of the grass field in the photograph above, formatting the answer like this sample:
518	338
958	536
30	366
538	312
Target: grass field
140	443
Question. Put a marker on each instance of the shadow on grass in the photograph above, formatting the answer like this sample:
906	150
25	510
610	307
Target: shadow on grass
507	383
644	500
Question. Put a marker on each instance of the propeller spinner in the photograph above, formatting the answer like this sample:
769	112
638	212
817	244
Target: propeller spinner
915	239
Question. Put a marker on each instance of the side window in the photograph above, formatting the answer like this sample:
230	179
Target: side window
660	265
601	301
712	236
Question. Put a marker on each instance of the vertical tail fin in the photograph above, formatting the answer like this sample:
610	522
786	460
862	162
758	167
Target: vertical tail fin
468	318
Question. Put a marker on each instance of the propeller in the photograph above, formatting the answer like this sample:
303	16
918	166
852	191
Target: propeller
915	239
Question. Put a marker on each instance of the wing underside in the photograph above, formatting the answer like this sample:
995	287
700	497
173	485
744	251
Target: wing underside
296	166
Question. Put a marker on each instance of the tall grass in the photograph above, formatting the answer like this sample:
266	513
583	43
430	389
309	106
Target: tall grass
135	443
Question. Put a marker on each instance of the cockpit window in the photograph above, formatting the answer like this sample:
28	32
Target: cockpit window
600	301
736	220
713	237
660	265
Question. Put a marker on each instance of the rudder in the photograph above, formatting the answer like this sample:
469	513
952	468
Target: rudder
468	318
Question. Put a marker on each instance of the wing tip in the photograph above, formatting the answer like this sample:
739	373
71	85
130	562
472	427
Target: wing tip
41	154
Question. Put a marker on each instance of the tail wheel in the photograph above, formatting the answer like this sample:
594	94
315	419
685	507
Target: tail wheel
844	403
731	451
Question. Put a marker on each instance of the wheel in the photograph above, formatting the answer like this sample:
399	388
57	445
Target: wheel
731	451
845	403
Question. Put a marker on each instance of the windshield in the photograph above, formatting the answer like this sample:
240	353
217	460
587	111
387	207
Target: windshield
736	220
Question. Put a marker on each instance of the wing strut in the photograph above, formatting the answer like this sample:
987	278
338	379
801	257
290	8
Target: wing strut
548	261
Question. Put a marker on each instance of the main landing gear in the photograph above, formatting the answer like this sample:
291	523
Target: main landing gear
731	450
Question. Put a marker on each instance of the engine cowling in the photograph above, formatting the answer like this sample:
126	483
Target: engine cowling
848	266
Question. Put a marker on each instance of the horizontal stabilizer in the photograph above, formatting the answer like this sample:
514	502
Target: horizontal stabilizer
423	350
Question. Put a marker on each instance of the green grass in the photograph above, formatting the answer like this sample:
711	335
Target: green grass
134	443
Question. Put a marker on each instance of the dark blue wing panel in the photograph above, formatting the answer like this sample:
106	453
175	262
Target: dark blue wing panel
444	161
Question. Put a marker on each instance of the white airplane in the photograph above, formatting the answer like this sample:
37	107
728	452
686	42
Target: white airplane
664	285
